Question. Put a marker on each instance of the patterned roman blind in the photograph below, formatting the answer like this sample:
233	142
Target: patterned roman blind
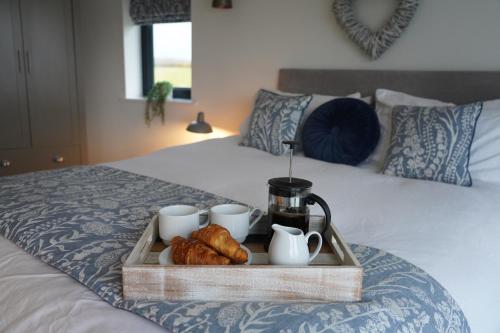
160	11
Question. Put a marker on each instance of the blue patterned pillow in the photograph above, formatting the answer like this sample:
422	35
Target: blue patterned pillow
275	118
432	143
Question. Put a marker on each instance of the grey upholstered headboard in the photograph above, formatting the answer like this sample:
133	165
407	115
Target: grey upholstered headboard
449	86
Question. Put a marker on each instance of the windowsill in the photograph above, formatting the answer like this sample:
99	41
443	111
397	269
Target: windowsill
169	101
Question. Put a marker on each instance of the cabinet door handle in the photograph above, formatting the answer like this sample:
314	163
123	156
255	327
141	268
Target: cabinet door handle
28	62
58	159
19	62
5	163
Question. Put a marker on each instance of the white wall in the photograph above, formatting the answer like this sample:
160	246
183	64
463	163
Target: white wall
237	51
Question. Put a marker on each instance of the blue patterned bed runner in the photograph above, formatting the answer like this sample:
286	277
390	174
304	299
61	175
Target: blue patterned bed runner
85	221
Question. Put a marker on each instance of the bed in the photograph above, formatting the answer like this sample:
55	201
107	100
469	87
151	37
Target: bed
449	231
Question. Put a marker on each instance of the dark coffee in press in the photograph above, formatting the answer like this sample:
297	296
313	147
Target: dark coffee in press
292	217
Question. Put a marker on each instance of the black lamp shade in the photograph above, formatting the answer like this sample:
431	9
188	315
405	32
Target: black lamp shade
199	125
224	4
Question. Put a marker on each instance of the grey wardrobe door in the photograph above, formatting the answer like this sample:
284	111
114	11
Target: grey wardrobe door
14	120
50	71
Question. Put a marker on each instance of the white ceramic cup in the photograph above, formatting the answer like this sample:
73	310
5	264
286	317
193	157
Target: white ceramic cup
235	218
179	220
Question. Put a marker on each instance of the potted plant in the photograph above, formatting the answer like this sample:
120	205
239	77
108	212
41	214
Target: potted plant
155	105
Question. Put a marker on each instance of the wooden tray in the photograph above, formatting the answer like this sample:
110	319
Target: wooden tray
334	275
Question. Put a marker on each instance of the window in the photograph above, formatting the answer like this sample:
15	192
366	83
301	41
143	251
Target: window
166	56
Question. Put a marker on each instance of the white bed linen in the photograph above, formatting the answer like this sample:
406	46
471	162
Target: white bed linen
449	231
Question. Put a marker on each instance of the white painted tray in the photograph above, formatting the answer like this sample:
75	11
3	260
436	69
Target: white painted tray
334	275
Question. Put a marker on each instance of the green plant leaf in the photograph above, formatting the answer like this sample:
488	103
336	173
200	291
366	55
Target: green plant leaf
156	98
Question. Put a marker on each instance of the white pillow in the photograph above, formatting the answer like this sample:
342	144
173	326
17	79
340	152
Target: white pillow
484	163
367	99
316	101
385	101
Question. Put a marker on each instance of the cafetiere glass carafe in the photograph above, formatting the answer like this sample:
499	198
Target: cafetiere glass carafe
289	199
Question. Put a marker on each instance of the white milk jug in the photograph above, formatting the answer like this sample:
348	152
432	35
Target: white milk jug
289	246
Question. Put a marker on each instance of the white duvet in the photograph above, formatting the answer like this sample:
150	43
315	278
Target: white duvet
451	232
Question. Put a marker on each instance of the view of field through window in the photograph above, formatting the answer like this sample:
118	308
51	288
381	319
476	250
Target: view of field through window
172	53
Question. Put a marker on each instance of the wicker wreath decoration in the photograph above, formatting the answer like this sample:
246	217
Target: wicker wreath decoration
374	43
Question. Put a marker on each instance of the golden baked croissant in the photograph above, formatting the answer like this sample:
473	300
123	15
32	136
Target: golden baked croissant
221	241
193	252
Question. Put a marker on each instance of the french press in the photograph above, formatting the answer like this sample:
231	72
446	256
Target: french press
289	199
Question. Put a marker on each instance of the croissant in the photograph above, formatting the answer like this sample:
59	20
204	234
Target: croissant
193	252
220	240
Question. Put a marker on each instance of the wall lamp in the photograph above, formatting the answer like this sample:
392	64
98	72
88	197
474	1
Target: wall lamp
222	4
199	125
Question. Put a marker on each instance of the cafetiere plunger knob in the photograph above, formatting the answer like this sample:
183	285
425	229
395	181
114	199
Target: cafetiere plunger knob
292	144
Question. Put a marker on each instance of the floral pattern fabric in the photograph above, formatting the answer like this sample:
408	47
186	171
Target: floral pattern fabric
275	119
145	12
85	221
432	143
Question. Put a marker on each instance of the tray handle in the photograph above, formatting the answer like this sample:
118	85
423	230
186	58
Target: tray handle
139	254
335	244
342	250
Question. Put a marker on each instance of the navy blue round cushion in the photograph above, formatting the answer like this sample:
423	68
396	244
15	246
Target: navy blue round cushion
344	130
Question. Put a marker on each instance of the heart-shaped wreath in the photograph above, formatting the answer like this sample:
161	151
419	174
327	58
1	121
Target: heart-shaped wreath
374	43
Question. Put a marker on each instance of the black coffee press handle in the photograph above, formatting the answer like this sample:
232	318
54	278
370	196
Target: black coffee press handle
312	199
